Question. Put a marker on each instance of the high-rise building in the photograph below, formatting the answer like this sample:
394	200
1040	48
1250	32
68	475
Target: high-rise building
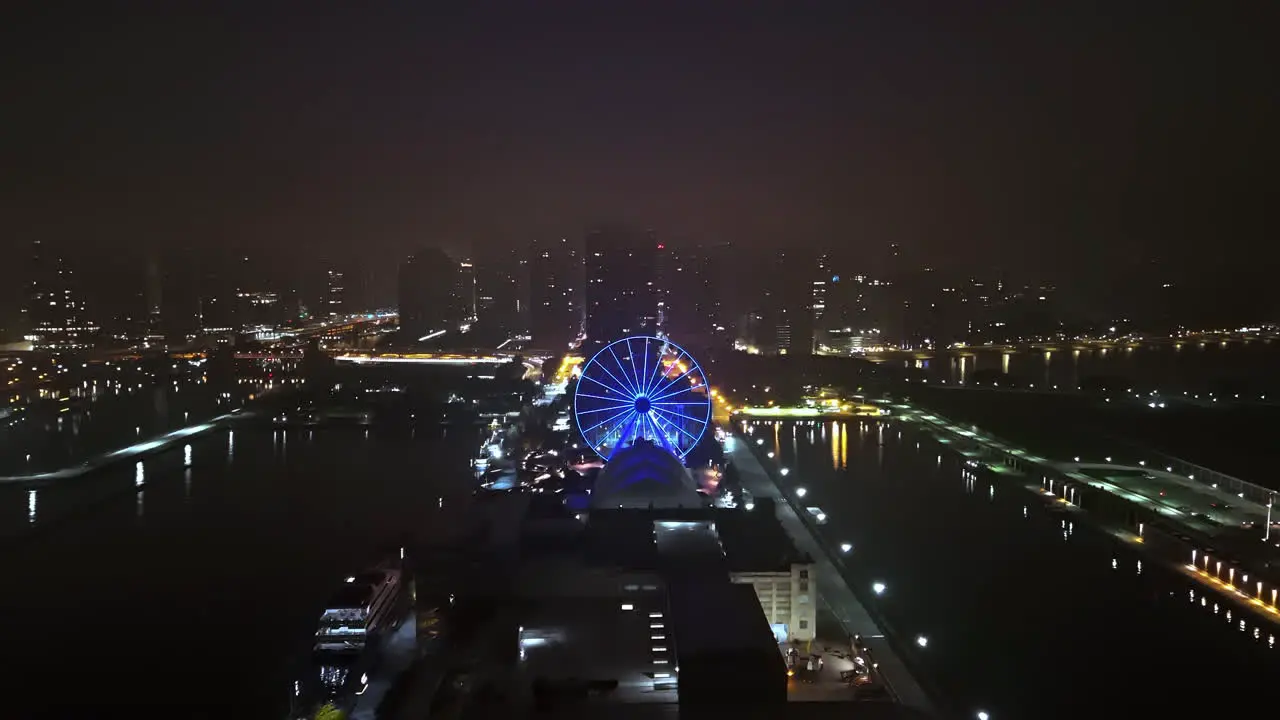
467	289
818	294
501	302
335	293
429	302
690	302
555	293
258	311
786	324
710	301
622	287
57	318
154	303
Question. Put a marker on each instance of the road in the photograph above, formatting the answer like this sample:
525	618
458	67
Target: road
832	587
1006	598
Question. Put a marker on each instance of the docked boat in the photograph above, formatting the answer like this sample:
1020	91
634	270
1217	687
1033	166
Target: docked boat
362	610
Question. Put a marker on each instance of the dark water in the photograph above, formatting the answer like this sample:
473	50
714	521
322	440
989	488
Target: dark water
1027	614
1193	366
53	435
199	591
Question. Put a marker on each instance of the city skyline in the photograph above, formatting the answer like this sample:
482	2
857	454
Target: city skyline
615	281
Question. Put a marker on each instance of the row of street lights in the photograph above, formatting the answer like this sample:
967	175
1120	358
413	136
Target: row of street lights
877	587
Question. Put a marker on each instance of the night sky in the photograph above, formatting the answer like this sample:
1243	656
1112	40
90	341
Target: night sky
1038	136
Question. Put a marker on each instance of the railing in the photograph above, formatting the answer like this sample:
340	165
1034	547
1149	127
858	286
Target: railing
1242	488
901	646
1196	473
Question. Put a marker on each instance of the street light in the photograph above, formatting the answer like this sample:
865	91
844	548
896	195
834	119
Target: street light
784	472
878	588
846	547
801	492
770	453
982	715
922	641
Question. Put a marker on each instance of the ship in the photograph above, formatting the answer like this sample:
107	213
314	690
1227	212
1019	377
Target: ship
362	611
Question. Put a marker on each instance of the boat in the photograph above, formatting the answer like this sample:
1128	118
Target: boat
362	610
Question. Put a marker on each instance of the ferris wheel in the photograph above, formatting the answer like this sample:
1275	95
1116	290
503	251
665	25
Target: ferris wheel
642	388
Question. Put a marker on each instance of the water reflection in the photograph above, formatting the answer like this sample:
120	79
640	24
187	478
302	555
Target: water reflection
883	519
1151	365
146	575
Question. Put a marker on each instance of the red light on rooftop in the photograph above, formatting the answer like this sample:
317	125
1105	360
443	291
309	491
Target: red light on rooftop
661	246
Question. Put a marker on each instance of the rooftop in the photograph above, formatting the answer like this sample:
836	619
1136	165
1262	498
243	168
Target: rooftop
593	640
716	617
357	591
645	476
742	540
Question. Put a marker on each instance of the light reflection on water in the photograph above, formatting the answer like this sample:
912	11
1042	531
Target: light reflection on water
1003	596
1158	365
231	546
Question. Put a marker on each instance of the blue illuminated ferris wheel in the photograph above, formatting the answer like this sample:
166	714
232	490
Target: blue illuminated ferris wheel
642	388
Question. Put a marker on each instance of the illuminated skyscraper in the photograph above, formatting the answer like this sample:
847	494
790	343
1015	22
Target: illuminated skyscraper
57	318
467	289
502	298
555	293
786	314
622	287
335	293
818	295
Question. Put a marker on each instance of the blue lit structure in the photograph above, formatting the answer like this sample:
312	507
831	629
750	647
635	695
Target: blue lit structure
642	388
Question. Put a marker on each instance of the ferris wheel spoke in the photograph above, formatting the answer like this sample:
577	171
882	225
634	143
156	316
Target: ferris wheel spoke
627	425
662	436
622	438
617	399
669	423
622	370
660	376
673	393
606	409
608	420
622	386
635	376
643	380
681	416
673	382
604	385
